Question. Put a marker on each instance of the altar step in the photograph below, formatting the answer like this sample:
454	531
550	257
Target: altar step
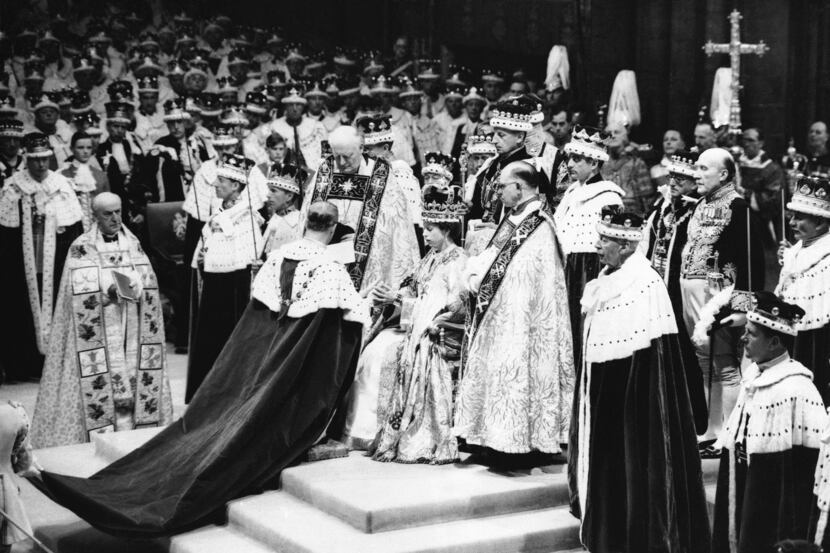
351	505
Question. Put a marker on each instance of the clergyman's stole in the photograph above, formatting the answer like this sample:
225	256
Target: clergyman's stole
367	189
120	350
508	238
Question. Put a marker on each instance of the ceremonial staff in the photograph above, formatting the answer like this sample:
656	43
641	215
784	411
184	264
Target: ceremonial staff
254	261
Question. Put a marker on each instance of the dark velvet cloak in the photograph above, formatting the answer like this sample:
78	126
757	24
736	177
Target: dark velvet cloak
267	400
19	355
773	497
645	485
221	304
812	349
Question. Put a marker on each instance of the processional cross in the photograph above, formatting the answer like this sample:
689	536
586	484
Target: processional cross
735	48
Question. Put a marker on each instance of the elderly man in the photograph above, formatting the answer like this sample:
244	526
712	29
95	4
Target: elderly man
636	481
371	200
719	256
40	216
105	369
514	399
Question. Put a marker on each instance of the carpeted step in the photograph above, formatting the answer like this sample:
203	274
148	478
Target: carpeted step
217	539
290	525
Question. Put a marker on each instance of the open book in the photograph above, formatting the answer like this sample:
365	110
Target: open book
124	286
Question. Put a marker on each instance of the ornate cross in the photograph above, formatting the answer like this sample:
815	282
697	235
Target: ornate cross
735	48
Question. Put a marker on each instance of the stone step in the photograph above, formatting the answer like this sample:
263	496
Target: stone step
217	539
379	497
290	525
113	445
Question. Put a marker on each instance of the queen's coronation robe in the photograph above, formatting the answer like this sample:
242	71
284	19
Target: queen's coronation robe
517	379
105	365
371	201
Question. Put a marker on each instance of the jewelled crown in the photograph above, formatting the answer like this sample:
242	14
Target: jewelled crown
492	76
209	103
44	100
11	128
37	145
772	312
812	196
382	84
234	116
81	102
481	144
175	110
616	223
316	89
376	129
119	112
512	115
224	84
294	95
120	90
256	102
473	95
408	89
148	83
683	163
223	136
285	179
588	142
235	167
443	212
437	163
148	67
7	106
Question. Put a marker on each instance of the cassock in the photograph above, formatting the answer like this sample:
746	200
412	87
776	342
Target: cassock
231	241
804	281
267	399
38	222
762	180
105	368
638	483
371	201
770	447
517	384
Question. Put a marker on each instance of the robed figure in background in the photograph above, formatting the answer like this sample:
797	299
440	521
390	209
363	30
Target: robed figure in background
638	483
40	216
230	243
770	443
805	277
514	397
105	369
268	398
370	200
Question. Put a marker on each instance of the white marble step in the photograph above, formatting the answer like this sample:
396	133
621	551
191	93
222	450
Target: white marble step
217	539
380	497
289	525
114	445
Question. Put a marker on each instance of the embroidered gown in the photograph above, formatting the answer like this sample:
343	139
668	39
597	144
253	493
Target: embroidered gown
515	391
105	366
416	423
38	222
770	447
16	459
636	482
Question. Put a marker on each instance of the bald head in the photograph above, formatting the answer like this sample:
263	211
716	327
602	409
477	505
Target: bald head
106	207
347	147
518	182
715	168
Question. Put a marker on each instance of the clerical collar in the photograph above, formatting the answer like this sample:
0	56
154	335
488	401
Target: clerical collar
109	239
518	209
783	358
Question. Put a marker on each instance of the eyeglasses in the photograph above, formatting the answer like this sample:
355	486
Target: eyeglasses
501	185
